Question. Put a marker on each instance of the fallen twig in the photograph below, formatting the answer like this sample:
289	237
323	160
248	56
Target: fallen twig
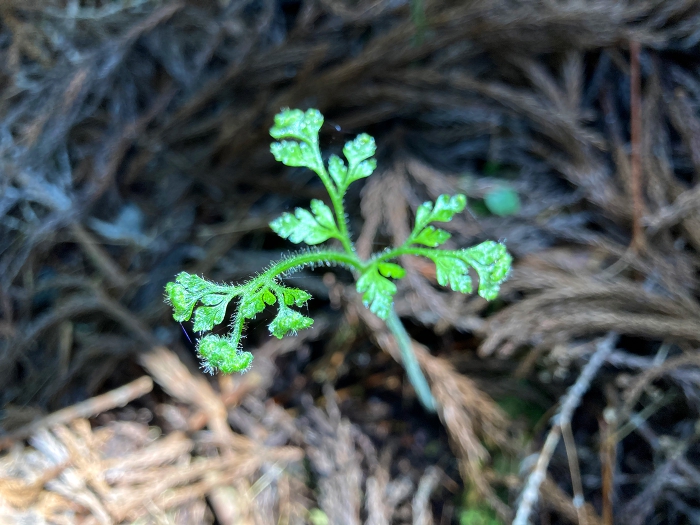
563	417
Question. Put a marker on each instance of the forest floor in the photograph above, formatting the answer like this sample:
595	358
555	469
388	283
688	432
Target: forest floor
134	144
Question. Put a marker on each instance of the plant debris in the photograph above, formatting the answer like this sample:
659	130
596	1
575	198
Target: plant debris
134	146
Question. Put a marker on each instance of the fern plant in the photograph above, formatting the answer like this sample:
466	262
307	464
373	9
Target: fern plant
297	144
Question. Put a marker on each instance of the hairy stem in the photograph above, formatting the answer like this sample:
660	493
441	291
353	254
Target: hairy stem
337	201
342	221
410	363
395	253
408	357
304	259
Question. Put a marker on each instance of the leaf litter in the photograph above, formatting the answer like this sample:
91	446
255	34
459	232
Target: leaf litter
134	145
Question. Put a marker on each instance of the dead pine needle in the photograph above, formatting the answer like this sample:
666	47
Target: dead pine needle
638	241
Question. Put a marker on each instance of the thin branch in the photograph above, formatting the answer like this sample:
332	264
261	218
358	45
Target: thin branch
422	514
563	417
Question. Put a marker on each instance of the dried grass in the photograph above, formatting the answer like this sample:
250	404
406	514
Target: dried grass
133	144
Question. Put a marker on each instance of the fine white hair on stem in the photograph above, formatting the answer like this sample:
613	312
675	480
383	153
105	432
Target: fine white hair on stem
569	403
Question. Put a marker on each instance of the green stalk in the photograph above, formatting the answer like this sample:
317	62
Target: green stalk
341	219
303	259
403	340
405	249
337	201
410	363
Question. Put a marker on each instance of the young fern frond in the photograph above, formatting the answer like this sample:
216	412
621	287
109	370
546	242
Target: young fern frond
296	133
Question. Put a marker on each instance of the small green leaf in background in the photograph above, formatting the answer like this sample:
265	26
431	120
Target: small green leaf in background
377	292
503	201
306	227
